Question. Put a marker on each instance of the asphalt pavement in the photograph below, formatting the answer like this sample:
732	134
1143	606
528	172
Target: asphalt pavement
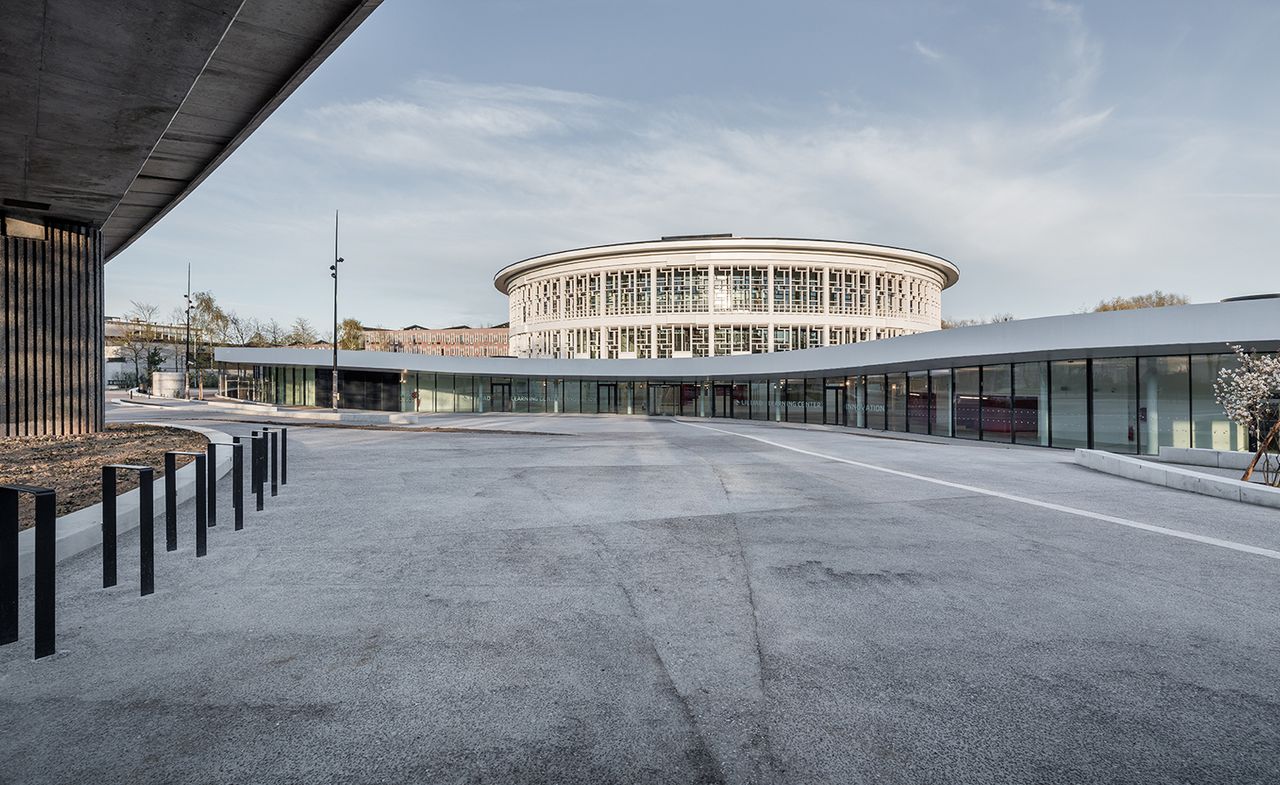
644	600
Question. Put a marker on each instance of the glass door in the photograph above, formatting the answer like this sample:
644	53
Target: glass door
722	400
500	392
833	405
606	399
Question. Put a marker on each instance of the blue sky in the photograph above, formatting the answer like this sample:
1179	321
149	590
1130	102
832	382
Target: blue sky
1059	153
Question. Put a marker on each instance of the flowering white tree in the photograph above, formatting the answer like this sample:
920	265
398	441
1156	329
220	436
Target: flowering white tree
1250	395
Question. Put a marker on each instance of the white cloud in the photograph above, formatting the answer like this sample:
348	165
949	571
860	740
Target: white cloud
446	182
926	52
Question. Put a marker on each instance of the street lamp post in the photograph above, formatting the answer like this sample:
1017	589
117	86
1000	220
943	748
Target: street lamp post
337	260
186	366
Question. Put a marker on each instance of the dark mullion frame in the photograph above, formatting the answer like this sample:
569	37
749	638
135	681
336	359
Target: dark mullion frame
1048	381
1088	401
982	407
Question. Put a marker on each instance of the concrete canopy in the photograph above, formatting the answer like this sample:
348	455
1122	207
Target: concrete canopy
115	110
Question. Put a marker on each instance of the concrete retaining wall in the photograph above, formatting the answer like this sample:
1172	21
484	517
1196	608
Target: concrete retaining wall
81	530
1178	478
1223	459
321	415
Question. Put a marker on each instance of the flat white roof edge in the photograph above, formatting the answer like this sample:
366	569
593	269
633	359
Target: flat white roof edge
1174	330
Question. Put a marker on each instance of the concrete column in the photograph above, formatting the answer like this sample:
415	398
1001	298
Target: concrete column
51	350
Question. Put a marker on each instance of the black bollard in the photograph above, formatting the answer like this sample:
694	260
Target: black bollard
46	577
108	526
46	560
146	530
284	456
46	564
212	482
275	488
202	502
237	479
170	501
8	565
146	525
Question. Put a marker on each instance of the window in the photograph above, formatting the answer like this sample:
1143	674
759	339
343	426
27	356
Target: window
940	402
997	416
1164	403
1211	428
918	402
896	402
967	403
875	402
1069	397
1115	416
1031	403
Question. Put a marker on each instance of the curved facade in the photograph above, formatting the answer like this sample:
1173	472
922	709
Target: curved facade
1124	381
719	295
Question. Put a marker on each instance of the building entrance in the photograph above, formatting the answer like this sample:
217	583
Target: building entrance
500	393
607	399
722	400
833	406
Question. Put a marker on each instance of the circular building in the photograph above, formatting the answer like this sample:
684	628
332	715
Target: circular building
706	295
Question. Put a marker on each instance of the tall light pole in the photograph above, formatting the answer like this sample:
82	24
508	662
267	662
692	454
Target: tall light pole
337	260
186	366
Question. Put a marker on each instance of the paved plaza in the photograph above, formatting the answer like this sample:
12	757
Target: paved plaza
582	599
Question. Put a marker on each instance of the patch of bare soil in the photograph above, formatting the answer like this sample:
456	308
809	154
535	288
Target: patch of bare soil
72	465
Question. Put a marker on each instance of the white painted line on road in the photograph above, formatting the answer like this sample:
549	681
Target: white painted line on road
1097	516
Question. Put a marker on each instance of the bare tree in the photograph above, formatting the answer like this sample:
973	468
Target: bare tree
1156	299
273	333
301	332
949	324
138	338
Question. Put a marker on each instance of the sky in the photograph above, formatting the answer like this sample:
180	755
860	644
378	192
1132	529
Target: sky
1059	153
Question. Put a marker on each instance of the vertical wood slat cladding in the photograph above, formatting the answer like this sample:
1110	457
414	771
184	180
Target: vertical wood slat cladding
51	354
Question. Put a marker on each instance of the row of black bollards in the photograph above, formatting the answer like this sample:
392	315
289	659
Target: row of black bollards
206	516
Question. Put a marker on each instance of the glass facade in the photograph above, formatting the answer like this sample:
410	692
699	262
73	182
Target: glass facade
1115	404
996	413
1120	404
1069	412
966	410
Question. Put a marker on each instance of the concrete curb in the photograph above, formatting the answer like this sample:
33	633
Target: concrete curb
81	530
321	415
1178	478
1196	456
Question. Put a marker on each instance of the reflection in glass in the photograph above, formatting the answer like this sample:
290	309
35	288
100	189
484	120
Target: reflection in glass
1031	403
940	402
1115	405
997	401
1211	428
918	401
1069	390
896	401
1164	404
967	407
875	402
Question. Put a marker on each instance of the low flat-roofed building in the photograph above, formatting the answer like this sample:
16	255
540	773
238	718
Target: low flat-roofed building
1123	381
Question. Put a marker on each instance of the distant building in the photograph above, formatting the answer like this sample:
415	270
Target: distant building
460	341
125	338
710	295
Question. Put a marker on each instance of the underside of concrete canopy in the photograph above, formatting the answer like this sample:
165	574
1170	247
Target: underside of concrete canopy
114	110
111	112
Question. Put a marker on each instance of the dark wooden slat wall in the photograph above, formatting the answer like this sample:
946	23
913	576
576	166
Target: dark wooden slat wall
51	364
